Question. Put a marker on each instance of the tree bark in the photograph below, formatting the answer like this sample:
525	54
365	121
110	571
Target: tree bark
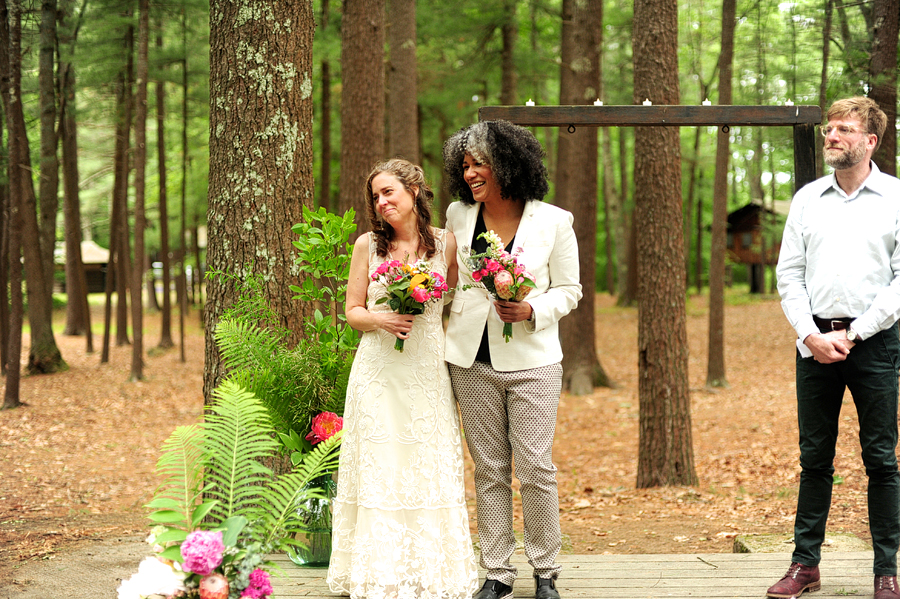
140	187
259	182
48	186
11	84
823	79
508	76
665	454
715	368
165	338
403	115
576	188
362	100
883	81
124	106
78	315
182	275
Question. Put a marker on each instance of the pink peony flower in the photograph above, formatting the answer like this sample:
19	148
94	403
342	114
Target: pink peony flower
324	426
420	294
202	552
260	586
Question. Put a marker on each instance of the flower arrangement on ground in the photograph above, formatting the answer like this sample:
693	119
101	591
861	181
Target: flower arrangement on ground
219	510
409	287
499	272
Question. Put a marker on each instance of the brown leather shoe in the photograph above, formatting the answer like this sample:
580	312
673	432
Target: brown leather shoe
886	587
799	578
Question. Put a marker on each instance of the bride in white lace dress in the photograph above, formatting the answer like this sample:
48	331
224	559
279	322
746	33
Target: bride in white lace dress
400	526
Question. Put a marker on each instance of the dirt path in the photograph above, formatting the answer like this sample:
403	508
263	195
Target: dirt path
77	462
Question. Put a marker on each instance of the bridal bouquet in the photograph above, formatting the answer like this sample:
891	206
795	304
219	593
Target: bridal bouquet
499	272
409	287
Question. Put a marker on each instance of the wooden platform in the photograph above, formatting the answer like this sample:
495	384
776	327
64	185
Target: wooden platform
737	575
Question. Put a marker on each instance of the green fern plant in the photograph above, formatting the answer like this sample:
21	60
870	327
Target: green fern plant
295	383
225	458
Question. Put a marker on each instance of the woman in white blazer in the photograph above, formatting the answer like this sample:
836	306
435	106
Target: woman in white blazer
508	393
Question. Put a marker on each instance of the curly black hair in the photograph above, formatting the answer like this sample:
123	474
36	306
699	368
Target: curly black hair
410	175
513	153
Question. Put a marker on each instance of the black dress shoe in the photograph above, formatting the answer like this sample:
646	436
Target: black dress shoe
494	589
545	588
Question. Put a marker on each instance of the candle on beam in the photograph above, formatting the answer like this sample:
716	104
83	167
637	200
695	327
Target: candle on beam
647	102
706	102
598	102
529	103
788	103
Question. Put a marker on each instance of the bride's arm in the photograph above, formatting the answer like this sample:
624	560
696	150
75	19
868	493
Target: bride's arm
358	316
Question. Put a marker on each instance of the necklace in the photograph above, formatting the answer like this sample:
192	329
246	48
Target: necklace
406	256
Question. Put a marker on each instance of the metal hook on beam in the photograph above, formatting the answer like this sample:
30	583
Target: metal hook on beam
725	128
571	129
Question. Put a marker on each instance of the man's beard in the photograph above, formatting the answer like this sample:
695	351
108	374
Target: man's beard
840	160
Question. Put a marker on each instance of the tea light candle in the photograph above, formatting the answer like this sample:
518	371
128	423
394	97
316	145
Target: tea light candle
598	102
647	102
706	102
529	103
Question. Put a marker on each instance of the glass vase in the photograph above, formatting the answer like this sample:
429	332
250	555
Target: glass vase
315	533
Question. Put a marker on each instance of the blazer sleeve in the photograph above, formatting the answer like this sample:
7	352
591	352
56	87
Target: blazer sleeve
564	290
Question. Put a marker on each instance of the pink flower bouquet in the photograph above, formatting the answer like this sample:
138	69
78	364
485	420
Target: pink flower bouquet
409	288
499	272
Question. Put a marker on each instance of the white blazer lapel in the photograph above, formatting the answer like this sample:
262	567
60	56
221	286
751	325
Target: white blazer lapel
526	225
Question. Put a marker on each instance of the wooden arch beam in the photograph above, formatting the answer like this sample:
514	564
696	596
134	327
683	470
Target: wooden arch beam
802	119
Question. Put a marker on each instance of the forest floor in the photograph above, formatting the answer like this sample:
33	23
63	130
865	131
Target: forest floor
78	460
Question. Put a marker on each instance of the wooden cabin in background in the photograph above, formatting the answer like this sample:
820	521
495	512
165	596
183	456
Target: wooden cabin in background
754	239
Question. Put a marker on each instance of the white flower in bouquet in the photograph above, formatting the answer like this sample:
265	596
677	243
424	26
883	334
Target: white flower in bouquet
152	578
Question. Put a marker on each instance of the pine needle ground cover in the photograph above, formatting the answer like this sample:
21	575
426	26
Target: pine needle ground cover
78	462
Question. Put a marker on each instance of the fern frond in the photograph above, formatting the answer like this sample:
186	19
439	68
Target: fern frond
238	437
181	469
279	503
245	345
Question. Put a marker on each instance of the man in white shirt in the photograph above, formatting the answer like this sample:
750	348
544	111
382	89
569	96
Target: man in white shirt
839	280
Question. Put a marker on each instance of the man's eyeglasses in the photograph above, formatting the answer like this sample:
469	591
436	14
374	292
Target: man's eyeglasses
842	130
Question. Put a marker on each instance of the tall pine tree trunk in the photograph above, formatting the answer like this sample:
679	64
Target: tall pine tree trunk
165	338
48	187
182	273
140	188
260	154
510	32
715	368
362	100
883	73
11	88
665	453
576	188
78	315
403	114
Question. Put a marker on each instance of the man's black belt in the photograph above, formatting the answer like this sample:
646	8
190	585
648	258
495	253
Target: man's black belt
832	324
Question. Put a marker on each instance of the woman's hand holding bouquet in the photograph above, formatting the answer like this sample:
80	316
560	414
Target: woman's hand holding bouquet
409	288
499	272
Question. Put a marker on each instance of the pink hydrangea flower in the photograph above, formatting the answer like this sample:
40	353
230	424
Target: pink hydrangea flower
324	426
260	586
202	551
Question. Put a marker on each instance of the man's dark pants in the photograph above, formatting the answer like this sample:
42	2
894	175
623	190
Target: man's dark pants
870	372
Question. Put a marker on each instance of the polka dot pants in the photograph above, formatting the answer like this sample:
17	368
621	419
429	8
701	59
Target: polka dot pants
506	416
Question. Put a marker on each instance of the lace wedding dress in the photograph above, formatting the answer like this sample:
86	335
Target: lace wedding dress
400	527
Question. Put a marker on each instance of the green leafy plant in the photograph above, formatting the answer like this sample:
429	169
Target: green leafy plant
295	383
224	458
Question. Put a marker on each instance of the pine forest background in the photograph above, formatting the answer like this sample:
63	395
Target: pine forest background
128	83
